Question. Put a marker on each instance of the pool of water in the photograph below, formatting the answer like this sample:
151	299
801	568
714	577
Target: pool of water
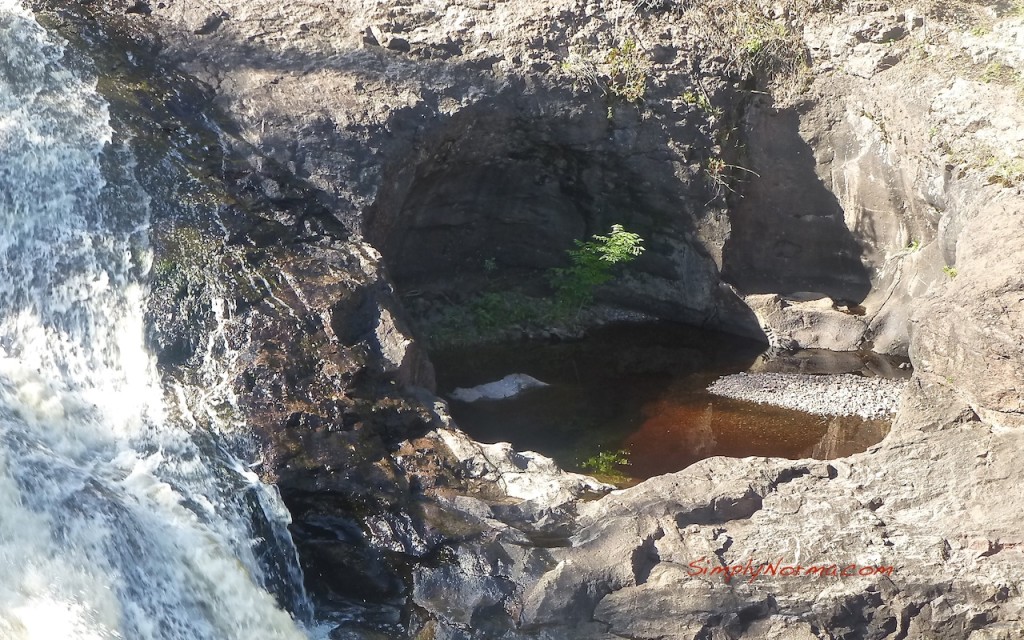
642	388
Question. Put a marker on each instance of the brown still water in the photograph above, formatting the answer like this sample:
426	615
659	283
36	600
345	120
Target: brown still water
642	388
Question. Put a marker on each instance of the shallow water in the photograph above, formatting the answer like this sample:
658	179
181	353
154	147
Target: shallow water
643	388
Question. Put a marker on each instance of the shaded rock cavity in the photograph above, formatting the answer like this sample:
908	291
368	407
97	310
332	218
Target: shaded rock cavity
494	196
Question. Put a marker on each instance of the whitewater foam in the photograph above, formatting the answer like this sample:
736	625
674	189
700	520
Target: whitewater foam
116	521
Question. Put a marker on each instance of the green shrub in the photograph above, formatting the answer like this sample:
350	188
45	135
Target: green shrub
582	70
627	71
496	315
592	263
496	311
622	71
999	73
606	463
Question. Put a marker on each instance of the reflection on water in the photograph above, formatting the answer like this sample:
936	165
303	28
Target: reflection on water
642	388
686	424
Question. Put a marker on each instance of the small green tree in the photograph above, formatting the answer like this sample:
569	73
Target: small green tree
592	263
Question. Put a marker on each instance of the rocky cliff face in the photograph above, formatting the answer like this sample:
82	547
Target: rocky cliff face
336	157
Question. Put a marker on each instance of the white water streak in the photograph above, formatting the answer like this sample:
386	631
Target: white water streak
113	522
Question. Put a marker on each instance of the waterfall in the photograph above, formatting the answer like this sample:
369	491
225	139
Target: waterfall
116	520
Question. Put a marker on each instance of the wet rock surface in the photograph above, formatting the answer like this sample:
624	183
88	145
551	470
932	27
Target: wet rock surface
322	142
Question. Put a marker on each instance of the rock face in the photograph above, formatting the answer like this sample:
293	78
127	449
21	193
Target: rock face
971	337
336	158
818	322
457	148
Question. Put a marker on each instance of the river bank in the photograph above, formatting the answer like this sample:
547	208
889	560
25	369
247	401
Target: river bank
833	395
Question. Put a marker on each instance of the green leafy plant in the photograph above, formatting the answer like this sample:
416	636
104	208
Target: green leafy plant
696	99
949	271
606	463
487	317
498	314
621	72
592	263
914	246
717	172
759	36
495	310
628	67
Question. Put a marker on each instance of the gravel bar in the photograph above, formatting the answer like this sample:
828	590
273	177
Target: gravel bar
829	395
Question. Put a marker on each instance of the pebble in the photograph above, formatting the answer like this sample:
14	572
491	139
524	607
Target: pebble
829	395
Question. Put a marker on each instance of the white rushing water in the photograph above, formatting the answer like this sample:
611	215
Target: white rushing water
115	521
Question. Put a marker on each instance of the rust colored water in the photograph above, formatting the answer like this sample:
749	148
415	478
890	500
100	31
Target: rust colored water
643	388
685	425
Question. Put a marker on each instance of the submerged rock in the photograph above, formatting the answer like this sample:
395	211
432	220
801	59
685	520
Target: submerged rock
508	387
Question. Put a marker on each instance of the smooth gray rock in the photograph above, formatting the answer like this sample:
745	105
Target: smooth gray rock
524	475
